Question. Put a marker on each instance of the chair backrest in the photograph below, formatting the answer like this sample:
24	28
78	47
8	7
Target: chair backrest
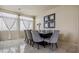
54	36
28	34
36	36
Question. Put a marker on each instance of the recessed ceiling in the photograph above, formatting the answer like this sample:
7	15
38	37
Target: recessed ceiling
33	10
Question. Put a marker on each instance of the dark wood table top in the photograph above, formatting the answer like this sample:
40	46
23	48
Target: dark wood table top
45	35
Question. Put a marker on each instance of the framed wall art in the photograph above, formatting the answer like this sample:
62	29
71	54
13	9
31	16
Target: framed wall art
49	21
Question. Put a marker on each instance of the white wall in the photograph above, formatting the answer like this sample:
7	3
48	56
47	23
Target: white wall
67	20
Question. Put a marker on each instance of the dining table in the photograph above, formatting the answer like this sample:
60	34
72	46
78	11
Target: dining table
45	35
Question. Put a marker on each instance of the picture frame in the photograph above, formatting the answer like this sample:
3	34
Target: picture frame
49	21
52	25
46	18
46	25
52	17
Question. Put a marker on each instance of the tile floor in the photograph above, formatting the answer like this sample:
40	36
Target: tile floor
19	46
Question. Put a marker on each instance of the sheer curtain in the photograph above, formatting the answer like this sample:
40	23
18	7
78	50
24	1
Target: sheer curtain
26	23
9	21
9	24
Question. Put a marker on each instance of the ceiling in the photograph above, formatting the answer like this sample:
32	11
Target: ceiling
32	10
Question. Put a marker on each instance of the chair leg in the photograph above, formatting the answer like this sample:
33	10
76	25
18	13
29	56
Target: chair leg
27	41
44	44
38	45
52	45
32	44
56	45
49	45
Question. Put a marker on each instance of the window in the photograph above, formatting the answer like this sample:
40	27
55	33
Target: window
2	25
7	21
26	23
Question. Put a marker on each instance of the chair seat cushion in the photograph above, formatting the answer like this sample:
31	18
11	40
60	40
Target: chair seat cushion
38	40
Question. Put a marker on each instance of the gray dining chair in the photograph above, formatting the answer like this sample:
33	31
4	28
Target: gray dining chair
28	36
36	38
53	39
